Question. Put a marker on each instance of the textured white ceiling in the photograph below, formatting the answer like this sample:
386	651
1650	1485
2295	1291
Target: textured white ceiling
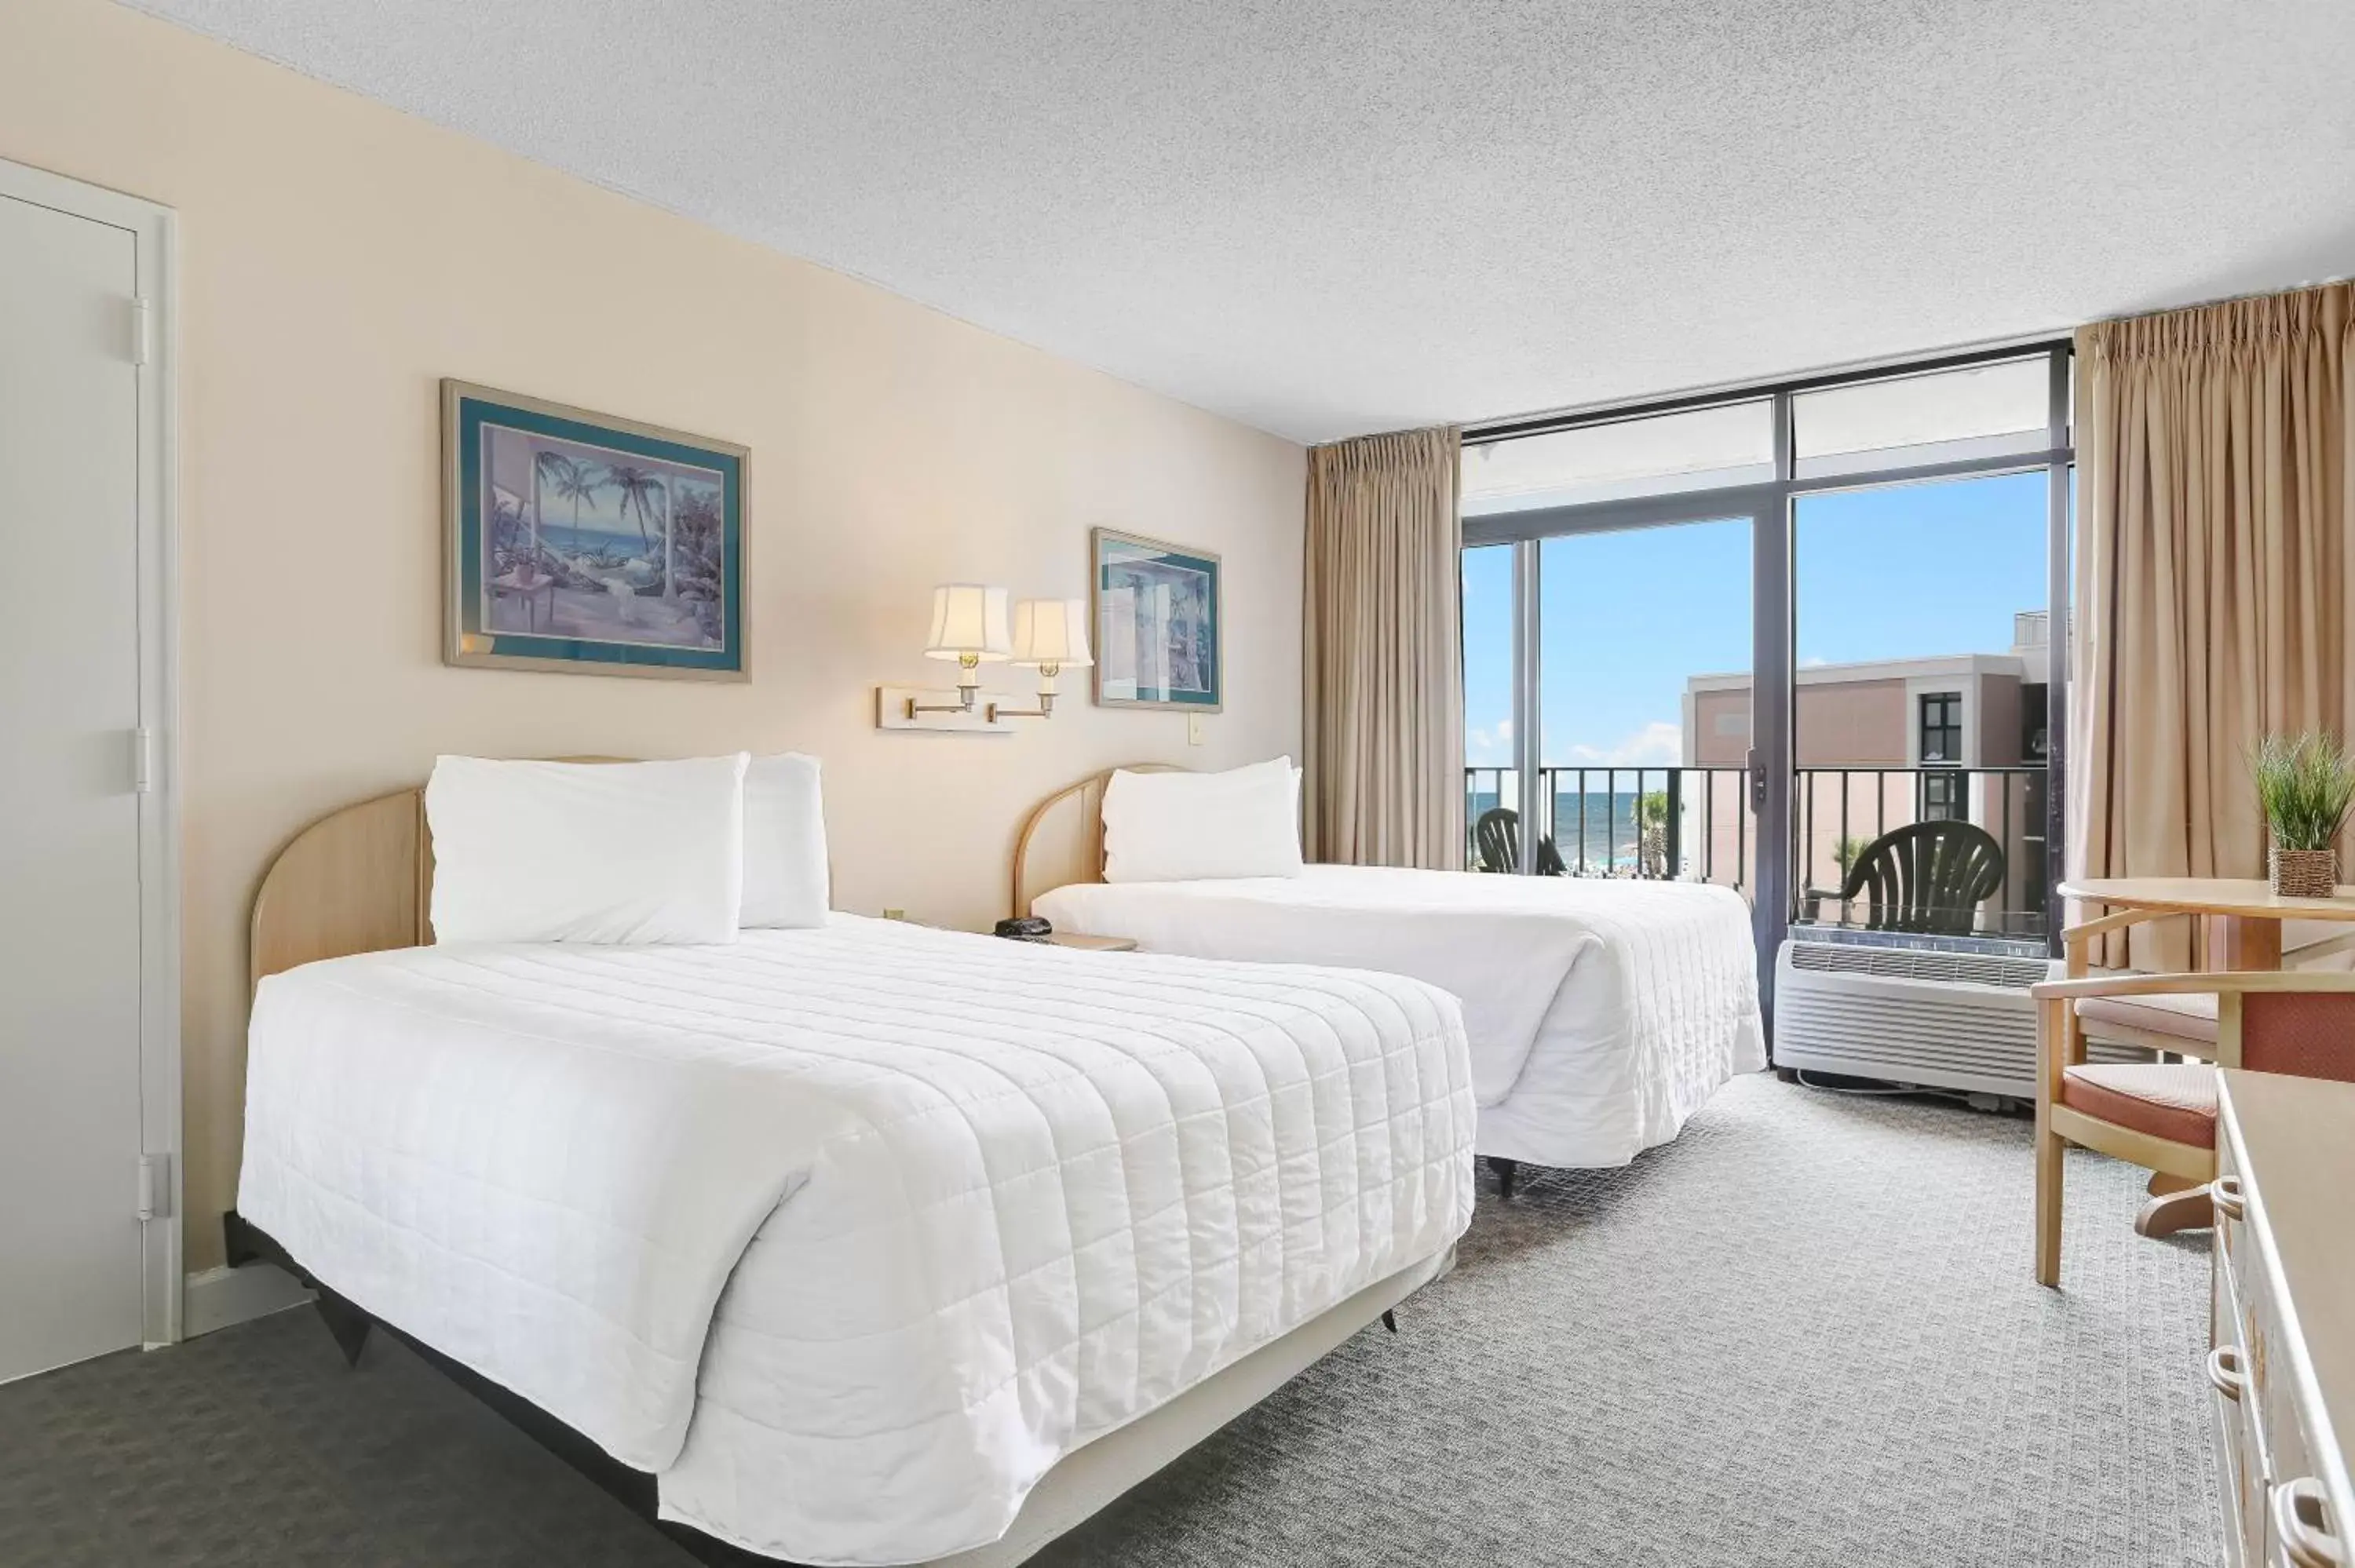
1324	217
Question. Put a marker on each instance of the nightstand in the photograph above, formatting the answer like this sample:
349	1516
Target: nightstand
1091	944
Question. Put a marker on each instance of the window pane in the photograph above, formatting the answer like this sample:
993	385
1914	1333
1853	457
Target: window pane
1645	685
1488	777
1914	705
1983	410
1732	444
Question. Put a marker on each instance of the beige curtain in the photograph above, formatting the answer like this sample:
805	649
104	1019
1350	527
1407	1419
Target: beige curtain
1382	656
2214	587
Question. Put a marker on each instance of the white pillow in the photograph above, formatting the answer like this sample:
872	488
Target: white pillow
784	843
1176	827
579	852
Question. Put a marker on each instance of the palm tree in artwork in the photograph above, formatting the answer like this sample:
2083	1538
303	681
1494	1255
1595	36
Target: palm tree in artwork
640	489
635	484
574	481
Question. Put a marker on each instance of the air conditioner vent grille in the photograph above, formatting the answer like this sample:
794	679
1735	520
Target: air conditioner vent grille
1920	964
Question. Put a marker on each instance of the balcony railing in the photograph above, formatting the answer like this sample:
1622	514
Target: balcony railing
1695	823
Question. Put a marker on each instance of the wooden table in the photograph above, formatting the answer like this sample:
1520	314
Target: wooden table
528	590
2243	918
1086	943
2243	922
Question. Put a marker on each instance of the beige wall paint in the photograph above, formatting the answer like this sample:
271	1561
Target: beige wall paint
339	257
1838	724
1852	723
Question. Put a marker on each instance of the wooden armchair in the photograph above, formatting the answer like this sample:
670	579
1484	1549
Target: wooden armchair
2162	1115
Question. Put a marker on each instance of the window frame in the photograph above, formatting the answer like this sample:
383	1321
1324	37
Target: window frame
1948	753
1772	508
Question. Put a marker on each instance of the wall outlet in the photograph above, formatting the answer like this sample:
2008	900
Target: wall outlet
895	914
1193	729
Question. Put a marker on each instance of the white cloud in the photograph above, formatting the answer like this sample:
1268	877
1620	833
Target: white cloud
1489	743
1657	744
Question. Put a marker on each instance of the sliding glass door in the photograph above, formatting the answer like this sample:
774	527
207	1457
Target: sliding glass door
1747	639
1922	692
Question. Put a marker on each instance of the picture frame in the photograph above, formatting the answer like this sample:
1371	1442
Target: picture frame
1158	613
583	543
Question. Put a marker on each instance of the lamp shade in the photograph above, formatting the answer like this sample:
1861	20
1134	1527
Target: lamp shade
1051	632
968	622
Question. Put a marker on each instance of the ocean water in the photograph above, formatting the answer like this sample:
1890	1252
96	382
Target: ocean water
1611	833
556	533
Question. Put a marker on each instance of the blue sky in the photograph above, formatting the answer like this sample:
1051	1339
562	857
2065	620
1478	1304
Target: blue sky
1907	572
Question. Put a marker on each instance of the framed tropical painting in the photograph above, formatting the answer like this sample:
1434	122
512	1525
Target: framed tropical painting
1158	611
584	542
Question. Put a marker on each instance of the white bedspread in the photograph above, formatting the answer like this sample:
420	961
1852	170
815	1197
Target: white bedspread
972	1202
1601	1014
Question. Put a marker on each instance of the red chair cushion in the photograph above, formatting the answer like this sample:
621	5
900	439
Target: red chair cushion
2175	1101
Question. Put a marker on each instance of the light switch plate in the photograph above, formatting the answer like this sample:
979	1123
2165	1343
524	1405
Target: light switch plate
1193	729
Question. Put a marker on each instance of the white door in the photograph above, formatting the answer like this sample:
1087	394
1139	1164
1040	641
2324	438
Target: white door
70	820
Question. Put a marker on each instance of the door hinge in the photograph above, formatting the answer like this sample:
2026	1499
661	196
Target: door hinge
142	760
155	1186
143	331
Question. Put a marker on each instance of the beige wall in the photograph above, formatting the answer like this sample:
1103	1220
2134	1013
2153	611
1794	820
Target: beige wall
1721	726
1838	724
1998	720
1852	723
339	257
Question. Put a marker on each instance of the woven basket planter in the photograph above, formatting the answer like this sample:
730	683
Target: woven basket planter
2304	873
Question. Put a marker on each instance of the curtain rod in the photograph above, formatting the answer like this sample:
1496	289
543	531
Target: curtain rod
1488	430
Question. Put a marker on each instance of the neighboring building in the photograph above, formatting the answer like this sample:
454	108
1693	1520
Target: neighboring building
1969	710
1888	742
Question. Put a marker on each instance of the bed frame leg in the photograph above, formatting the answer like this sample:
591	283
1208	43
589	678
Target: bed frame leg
1505	1171
346	1322
237	1240
1390	1318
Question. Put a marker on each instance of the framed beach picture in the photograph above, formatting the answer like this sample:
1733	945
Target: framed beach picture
584	542
1157	614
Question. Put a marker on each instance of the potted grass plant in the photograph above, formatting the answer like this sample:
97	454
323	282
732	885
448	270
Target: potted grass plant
2306	782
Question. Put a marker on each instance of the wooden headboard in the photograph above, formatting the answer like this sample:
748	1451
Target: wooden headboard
358	880
1061	841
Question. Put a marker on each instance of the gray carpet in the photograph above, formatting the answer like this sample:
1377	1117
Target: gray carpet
1805	1333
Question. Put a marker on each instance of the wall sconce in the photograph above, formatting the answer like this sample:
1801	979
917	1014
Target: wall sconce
968	626
1048	634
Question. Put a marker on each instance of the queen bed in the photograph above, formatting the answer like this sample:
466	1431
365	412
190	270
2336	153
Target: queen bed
1601	1014
859	1243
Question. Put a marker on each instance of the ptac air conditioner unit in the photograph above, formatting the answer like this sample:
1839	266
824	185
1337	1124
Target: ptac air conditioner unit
1948	1021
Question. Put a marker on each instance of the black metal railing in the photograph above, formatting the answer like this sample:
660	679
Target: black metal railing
1836	812
1687	822
1695	823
